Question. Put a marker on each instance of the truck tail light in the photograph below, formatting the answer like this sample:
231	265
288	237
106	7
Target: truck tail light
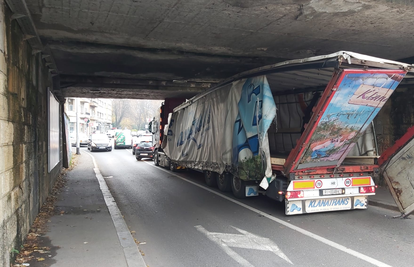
367	189
294	194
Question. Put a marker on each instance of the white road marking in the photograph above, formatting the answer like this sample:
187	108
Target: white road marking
291	226
244	240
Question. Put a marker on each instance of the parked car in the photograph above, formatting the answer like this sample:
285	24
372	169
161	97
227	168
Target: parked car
139	139
100	142
144	149
83	139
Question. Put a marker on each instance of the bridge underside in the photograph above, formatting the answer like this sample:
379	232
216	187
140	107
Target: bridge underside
158	49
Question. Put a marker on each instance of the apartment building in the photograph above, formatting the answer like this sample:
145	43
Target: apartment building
95	114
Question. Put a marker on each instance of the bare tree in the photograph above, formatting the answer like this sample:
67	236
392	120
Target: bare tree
134	114
120	108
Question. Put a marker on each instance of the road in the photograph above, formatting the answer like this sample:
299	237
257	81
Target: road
179	221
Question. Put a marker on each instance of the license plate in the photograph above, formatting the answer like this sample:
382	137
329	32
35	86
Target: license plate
143	153
102	147
327	192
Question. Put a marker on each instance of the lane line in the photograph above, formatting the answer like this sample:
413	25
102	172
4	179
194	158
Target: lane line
291	226
132	255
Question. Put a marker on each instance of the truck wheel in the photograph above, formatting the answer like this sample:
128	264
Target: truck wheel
173	167
210	178
156	162
224	181
238	187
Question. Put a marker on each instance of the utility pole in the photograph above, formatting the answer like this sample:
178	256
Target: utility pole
77	127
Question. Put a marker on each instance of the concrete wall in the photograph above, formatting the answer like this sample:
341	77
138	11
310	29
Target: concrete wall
24	179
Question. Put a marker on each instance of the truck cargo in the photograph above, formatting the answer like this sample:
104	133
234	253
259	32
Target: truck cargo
299	131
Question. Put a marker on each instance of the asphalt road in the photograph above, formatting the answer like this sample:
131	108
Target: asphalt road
179	221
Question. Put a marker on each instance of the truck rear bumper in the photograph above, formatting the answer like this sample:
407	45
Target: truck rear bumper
293	207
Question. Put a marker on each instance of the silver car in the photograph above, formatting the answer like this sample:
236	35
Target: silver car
99	142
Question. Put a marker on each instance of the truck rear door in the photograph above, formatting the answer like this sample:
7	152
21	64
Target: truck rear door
347	107
397	167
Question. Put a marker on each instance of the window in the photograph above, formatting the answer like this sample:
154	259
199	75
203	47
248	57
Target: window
70	103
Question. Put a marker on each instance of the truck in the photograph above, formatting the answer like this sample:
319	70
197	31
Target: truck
397	168
300	131
157	127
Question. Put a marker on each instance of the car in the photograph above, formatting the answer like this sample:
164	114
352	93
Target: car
144	149
139	139
83	139
100	142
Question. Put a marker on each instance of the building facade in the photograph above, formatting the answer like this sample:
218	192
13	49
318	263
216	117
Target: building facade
95	115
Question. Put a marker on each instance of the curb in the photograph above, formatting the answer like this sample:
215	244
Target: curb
383	205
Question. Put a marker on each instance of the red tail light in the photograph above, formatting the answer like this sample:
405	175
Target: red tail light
138	147
152	148
135	145
294	194
367	189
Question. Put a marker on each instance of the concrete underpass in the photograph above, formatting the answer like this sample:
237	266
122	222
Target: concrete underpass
50	50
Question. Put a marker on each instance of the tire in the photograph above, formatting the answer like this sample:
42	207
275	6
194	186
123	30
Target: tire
133	152
156	162
138	158
238	187
210	178
173	167
224	181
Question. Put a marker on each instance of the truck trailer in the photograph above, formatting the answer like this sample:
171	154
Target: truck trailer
300	131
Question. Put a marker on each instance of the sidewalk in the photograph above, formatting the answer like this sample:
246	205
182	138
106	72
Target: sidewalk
86	229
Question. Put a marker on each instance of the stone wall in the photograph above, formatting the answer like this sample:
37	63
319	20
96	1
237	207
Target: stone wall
24	179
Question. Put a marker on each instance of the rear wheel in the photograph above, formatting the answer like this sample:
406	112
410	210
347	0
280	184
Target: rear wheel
138	158
173	167
133	151
224	181
210	178
156	162
238	187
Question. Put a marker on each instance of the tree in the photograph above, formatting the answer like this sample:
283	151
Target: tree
120	108
134	114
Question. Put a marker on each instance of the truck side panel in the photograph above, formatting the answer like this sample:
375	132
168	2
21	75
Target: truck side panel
225	130
397	168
